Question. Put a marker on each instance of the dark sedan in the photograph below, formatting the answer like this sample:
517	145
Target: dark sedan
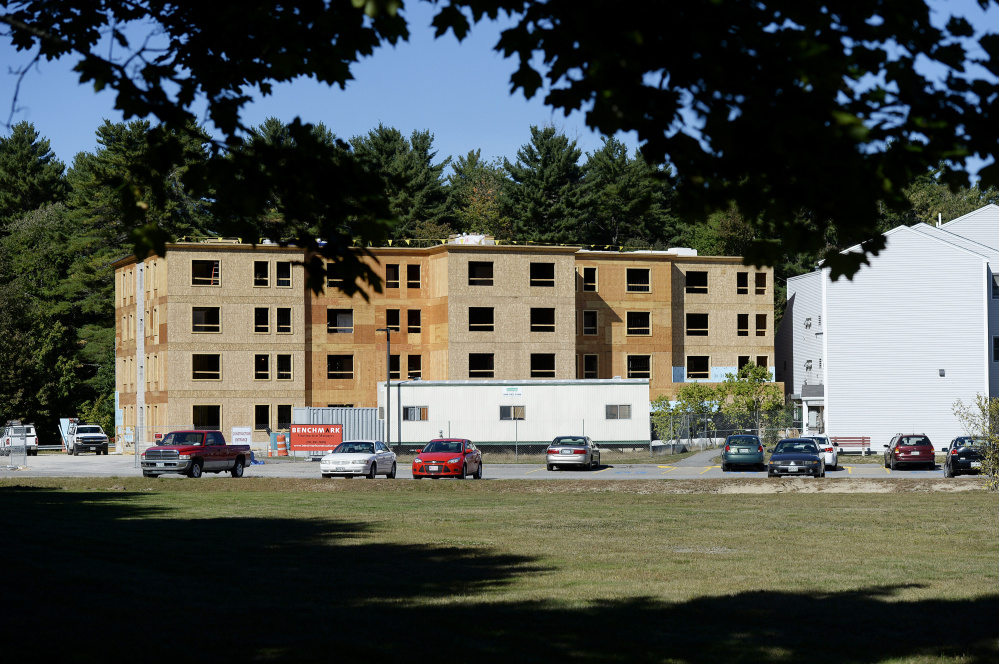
796	456
963	456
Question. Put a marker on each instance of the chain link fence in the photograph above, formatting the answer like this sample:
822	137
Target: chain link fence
14	448
697	431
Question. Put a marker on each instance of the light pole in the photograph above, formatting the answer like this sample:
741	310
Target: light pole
388	383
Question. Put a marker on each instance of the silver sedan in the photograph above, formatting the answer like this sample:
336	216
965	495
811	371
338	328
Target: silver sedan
359	458
578	451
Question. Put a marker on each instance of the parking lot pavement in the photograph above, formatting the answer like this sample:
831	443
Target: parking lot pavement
61	465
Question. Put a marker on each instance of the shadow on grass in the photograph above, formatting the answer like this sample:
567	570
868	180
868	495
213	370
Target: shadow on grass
106	578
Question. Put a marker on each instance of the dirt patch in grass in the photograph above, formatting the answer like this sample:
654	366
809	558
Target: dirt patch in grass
656	486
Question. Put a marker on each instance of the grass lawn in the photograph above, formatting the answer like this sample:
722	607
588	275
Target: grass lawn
288	570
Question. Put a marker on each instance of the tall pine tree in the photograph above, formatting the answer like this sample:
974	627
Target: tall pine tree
543	196
30	174
414	184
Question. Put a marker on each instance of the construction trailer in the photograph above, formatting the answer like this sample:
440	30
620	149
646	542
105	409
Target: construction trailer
515	413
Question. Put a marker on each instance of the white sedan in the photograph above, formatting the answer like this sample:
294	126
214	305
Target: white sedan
826	449
359	458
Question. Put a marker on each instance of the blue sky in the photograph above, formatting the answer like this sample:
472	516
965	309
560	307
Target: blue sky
459	92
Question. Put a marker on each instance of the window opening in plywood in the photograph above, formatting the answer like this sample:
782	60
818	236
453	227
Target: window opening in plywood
480	273
697	325
639	323
542	365
480	319
480	365
542	319
698	366
697	282
639	280
543	274
639	366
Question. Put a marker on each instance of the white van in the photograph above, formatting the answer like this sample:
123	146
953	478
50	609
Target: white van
15	432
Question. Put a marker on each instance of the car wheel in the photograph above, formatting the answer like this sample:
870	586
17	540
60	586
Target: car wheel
392	472
463	472
769	474
892	463
477	475
374	469
550	468
237	468
76	451
761	467
947	471
886	462
593	464
195	470
724	467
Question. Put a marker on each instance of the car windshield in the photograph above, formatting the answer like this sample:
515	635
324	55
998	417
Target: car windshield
88	430
355	448
577	442
912	441
968	442
182	438
796	447
743	440
443	446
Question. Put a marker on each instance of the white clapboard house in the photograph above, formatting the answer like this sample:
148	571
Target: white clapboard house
893	349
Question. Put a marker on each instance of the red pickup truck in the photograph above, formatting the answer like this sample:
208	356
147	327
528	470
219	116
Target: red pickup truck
193	453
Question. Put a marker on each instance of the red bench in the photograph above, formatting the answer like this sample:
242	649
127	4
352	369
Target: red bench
851	444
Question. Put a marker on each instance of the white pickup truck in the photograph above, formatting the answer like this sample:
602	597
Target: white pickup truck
15	434
79	437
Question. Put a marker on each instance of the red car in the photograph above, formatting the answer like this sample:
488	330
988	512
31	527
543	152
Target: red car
448	457
915	449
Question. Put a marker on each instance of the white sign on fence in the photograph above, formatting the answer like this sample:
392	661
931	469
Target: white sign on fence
241	436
